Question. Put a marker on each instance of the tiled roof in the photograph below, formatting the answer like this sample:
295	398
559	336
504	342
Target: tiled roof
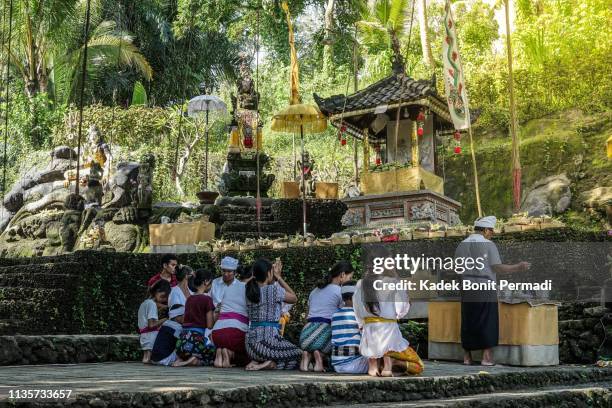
386	91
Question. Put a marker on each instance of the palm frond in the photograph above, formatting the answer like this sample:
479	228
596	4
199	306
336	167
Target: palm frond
381	11
110	49
139	95
397	15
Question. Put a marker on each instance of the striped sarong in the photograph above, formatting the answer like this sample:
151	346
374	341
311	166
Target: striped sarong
316	336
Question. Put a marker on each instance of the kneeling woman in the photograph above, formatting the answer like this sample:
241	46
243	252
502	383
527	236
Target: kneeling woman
378	312
194	346
323	302
264	344
230	329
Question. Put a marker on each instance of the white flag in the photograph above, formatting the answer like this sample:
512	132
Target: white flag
456	93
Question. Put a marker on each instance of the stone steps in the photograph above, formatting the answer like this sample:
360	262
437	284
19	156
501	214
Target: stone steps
595	395
12	326
37	279
445	385
35	294
242	226
35	297
244	217
241	236
46	268
245	209
48	313
68	349
426	389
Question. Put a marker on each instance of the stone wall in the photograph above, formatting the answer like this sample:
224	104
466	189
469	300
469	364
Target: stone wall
17	350
581	332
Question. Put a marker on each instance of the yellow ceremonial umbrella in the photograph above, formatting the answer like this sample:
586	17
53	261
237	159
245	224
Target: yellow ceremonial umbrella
305	118
298	116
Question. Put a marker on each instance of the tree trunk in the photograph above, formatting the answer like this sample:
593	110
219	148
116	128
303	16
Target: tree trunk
181	169
31	82
327	47
43	75
398	60
424	28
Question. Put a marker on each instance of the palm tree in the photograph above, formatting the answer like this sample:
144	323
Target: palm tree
47	41
106	47
386	18
424	28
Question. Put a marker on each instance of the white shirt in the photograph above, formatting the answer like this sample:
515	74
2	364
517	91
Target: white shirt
177	297
379	338
477	246
218	289
234	300
146	311
325	302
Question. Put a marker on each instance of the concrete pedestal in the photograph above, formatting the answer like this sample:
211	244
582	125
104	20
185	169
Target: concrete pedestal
403	207
528	335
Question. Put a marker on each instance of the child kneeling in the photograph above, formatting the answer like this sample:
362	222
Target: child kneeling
346	337
148	317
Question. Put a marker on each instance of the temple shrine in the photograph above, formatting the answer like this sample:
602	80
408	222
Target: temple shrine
399	121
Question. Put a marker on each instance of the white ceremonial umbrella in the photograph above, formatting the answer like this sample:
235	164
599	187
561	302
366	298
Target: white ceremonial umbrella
203	105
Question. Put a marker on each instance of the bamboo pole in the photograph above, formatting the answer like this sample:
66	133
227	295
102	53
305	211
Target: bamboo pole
415	145
355	87
476	186
516	161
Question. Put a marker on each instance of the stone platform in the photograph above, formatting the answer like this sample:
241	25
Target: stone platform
402	207
134	384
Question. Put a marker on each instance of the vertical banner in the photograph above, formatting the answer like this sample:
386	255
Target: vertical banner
294	97
456	93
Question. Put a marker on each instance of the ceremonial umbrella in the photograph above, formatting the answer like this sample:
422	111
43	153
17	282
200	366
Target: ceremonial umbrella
304	118
204	105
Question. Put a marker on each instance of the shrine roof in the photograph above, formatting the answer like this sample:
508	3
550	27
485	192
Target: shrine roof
387	91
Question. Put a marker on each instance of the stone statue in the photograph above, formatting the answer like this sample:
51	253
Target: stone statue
306	175
43	216
352	218
71	221
247	98
145	182
423	211
95	152
92	188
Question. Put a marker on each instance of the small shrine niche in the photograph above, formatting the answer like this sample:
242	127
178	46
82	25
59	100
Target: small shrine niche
403	142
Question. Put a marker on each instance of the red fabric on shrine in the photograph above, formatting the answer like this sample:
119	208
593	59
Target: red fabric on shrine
516	187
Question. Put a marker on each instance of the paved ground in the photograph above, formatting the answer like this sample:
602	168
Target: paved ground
489	399
136	377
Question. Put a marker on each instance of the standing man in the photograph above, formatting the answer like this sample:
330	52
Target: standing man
227	278
479	308
168	270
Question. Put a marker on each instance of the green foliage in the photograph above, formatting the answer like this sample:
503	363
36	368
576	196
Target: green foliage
48	47
139	96
561	52
570	143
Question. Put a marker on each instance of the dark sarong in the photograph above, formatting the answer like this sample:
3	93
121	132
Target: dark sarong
479	325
